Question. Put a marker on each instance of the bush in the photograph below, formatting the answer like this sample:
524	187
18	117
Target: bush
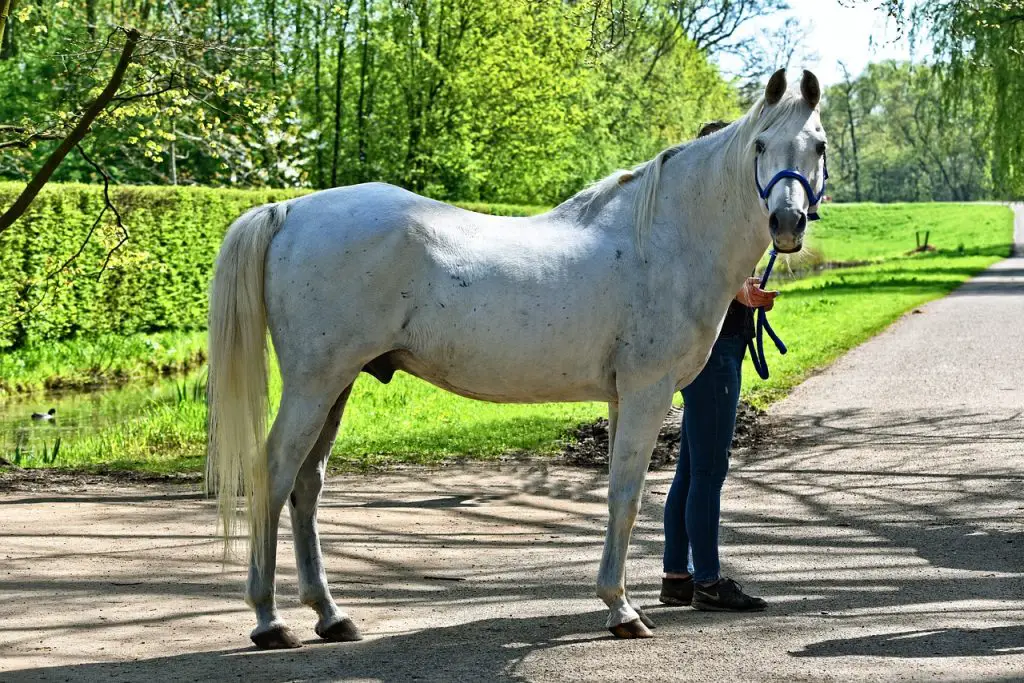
157	281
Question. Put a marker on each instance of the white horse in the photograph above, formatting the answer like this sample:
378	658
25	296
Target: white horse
616	295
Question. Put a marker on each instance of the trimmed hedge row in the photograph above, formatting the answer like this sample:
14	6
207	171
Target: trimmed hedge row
157	281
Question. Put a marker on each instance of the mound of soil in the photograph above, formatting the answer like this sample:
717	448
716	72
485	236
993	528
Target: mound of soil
14	478
588	446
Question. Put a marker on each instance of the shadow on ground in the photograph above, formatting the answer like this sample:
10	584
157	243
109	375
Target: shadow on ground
851	539
946	642
454	653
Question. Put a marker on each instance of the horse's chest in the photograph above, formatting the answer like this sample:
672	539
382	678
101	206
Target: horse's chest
671	335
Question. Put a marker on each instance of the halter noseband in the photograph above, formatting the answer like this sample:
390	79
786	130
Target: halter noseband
813	198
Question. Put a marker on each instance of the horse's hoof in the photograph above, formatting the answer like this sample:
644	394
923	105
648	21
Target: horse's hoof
631	629
277	638
344	631
646	620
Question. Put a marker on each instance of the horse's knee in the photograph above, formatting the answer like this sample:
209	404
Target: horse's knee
624	505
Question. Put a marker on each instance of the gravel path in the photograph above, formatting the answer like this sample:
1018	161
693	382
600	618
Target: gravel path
884	523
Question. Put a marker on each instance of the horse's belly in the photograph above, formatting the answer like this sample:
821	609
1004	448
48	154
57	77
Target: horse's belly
512	368
525	389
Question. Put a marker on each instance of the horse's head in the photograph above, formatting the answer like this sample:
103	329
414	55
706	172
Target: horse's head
789	159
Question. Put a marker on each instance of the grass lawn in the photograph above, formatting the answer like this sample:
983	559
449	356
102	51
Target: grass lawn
820	317
109	359
872	232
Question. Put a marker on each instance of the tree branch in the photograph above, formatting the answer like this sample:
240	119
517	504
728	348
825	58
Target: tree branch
25	142
107	204
75	136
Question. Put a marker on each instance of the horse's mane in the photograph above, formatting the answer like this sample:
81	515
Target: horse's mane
739	137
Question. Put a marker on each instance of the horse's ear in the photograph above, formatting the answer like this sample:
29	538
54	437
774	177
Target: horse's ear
810	89
776	87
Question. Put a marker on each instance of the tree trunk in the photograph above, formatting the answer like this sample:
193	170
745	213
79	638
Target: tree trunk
339	77
90	18
318	116
360	107
273	42
7	46
5	11
853	131
174	157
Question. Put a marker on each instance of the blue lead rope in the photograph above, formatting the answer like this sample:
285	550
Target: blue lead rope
757	353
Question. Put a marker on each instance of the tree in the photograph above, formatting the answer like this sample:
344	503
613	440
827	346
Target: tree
981	46
979	51
74	136
892	138
847	101
521	100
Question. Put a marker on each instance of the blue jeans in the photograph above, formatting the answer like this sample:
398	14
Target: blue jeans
694	501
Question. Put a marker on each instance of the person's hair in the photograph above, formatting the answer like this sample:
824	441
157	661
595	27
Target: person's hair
711	127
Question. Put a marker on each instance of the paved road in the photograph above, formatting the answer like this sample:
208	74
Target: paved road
885	525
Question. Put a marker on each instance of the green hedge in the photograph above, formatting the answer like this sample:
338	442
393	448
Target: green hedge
157	281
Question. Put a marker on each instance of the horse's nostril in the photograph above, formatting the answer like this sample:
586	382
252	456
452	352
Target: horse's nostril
773	223
801	224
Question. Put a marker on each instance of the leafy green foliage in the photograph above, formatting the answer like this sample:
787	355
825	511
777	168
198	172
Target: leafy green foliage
511	101
979	70
157	282
893	137
981	44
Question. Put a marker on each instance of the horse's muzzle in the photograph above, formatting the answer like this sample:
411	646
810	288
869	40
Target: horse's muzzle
787	228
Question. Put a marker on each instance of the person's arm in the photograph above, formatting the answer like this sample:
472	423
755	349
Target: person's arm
752	296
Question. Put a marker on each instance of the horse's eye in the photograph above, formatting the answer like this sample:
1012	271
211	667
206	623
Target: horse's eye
759	146
821	148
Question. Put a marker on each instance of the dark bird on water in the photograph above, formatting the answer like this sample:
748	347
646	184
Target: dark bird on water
49	415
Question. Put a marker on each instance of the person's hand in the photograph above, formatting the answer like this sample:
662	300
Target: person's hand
752	296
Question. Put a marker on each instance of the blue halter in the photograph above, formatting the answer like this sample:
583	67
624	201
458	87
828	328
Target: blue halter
757	353
812	197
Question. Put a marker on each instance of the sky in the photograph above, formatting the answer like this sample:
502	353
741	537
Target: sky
854	36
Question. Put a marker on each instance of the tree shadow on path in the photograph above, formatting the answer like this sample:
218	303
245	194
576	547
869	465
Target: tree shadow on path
489	649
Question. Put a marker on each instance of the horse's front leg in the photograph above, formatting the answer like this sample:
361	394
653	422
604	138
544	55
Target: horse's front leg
640	415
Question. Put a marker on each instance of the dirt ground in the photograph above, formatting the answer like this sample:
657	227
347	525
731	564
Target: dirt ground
882	517
874	570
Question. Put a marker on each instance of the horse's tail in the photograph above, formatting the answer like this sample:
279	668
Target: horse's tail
237	390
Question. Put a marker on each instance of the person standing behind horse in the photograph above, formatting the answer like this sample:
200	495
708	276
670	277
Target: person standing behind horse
693	504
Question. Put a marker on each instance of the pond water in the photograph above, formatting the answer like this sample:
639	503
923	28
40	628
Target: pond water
82	413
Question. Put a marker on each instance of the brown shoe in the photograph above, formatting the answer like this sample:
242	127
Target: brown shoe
676	592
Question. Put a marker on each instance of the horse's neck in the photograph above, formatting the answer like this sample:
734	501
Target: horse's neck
713	210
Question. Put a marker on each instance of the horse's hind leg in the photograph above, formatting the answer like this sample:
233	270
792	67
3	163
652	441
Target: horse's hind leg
313	591
300	420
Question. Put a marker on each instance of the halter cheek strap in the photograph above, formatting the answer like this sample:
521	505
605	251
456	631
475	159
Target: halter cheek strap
813	197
